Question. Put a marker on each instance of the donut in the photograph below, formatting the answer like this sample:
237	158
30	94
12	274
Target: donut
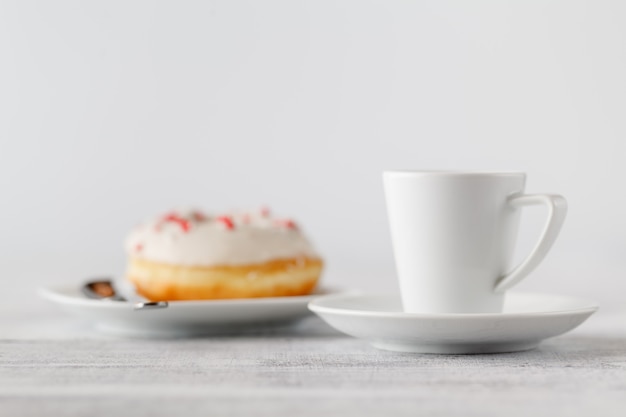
189	255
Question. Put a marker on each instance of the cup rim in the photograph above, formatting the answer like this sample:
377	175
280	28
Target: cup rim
452	173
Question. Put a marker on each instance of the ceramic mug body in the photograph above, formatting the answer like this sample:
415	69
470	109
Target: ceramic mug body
453	236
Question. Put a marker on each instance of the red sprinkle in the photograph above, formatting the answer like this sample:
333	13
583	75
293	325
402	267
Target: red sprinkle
174	218
226	221
286	223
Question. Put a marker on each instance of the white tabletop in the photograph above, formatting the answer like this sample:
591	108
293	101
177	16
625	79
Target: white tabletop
54	364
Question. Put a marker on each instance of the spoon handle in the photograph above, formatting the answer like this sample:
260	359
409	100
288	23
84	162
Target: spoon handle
152	305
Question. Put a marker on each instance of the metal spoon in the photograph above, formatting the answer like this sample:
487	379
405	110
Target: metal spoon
103	289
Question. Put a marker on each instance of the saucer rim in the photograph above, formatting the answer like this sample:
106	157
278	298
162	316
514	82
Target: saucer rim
57	293
314	306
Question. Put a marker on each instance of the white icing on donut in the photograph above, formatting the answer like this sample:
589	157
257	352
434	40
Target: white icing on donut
191	238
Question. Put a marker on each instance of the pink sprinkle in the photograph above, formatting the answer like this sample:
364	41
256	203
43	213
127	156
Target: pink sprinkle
286	223
265	211
174	218
226	221
184	224
138	247
170	215
245	218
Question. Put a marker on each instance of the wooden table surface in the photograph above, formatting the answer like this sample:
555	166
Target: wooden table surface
53	364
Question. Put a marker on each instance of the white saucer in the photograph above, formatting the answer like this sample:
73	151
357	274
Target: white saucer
182	317
527	320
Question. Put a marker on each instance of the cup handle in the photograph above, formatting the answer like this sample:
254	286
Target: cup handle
557	209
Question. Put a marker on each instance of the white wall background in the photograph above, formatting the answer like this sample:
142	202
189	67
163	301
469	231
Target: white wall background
114	110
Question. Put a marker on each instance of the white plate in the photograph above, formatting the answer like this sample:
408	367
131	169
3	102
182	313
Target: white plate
526	320
181	317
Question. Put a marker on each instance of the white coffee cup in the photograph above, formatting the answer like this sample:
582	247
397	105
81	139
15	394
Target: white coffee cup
454	233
